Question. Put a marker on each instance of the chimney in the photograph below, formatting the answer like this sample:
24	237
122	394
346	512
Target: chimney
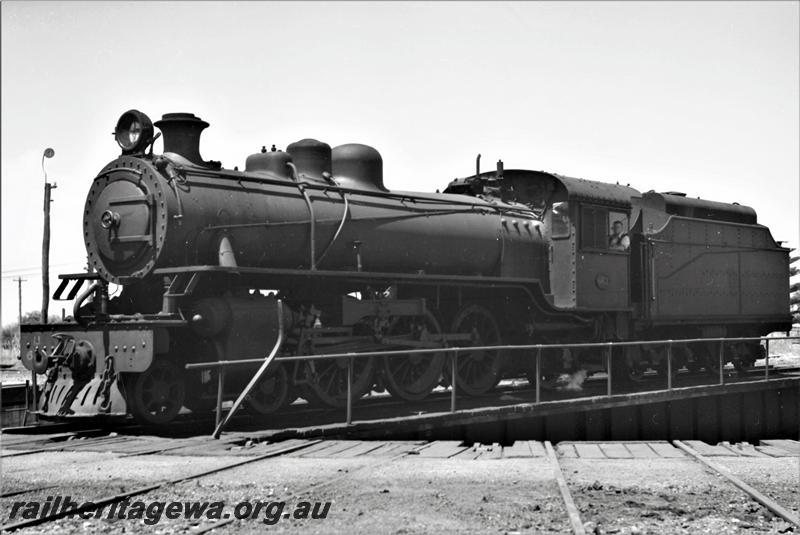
182	135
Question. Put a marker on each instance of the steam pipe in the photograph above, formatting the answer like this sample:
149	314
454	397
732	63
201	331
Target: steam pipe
81	298
258	375
339	229
301	187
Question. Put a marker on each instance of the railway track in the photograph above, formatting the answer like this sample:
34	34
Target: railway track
117	498
713	475
579	475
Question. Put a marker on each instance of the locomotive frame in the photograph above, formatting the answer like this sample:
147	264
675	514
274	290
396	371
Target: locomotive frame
488	262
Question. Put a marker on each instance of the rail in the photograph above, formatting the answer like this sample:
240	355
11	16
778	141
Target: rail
454	351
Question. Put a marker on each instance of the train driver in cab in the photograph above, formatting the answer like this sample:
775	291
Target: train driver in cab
619	239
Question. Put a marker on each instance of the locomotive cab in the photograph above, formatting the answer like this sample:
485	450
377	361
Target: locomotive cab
588	225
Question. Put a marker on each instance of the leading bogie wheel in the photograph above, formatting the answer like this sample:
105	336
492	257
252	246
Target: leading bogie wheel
156	396
271	393
478	371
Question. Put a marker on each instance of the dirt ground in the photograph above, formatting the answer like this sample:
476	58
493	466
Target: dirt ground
679	495
421	495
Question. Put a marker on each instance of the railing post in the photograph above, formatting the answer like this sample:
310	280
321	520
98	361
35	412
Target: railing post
27	404
608	369
669	365
349	390
721	362
538	374
220	390
34	403
766	364
454	366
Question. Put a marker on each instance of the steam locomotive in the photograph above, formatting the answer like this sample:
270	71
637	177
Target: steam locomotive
202	255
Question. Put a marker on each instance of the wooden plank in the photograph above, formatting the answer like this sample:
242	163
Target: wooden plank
362	448
388	449
567	450
118	447
519	449
391	449
572	511
791	446
65	445
443	449
163	447
490	452
641	451
755	494
384	450
9	441
615	450
342	447
469	454
537	448
313	450
743	449
707	450
667	451
589	451
772	451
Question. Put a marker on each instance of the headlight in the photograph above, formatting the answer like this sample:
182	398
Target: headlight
133	132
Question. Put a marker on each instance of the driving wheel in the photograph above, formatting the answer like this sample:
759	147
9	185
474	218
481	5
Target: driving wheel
413	377
478	371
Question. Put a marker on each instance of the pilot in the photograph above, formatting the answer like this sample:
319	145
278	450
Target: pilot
619	240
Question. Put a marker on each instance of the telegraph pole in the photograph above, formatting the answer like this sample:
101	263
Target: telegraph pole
19	281
48	153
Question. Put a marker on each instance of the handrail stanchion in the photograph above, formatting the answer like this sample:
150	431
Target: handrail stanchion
220	390
608	369
669	365
27	403
257	377
538	374
350	391
34	399
454	366
609	346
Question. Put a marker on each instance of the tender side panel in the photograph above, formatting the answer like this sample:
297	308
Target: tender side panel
704	269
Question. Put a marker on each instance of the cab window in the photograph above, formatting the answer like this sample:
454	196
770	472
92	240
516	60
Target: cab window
594	225
618	237
560	227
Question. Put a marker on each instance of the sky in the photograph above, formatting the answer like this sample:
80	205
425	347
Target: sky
676	96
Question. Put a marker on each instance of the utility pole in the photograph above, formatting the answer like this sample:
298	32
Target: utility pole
48	153
20	280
